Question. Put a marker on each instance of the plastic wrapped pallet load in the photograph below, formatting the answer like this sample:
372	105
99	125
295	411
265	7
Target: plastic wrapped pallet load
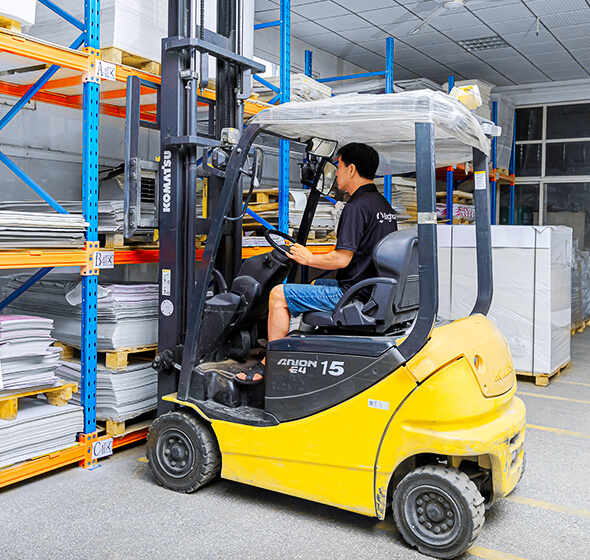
136	27
20	11
532	289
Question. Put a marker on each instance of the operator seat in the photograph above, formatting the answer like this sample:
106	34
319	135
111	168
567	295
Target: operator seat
375	305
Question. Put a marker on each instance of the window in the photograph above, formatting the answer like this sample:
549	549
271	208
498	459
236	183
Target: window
526	204
568	204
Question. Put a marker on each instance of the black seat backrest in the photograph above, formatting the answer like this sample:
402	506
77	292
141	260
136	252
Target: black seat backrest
396	256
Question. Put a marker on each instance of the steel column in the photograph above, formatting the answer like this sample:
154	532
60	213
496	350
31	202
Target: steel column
308	63
389	58
285	96
90	111
493	184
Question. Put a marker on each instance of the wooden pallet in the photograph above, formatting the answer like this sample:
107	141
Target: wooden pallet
459	197
118	241
580	327
118	56
10	24
543	379
264	196
56	396
119	429
116	360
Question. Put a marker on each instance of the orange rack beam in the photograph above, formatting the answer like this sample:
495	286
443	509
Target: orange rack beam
41	258
141	256
35	49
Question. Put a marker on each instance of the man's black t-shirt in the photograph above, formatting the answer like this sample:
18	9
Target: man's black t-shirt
365	220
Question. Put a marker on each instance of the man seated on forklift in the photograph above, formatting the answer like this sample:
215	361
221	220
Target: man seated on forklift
366	218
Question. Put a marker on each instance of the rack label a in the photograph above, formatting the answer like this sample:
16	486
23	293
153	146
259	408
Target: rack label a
102	448
105	70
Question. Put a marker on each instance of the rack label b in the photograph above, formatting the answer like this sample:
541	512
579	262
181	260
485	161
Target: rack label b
104	259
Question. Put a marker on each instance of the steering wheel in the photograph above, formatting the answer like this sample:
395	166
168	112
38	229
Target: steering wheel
282	249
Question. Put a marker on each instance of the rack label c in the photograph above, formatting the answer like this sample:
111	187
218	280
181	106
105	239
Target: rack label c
102	448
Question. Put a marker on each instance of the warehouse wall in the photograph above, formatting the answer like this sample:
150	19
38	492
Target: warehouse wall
45	141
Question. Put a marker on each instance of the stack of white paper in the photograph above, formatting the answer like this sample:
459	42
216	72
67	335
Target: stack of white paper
127	313
110	212
22	11
37	229
39	428
27	357
120	395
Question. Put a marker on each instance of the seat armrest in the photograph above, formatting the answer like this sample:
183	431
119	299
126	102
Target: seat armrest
350	294
349	312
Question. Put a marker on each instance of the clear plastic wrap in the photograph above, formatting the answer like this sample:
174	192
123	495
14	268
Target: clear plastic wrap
577	308
585	283
386	122
532	296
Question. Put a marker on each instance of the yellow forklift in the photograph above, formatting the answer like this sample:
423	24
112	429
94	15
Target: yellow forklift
378	406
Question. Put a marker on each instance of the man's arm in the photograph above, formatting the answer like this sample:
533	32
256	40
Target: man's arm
339	258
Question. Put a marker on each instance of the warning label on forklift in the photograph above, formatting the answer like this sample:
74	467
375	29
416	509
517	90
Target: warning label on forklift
166	282
381	405
480	179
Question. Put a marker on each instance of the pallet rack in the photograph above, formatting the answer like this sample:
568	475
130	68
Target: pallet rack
72	81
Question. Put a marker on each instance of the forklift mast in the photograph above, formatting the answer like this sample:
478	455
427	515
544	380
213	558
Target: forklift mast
184	139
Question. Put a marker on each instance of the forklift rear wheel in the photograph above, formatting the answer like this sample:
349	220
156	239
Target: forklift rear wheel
438	510
182	451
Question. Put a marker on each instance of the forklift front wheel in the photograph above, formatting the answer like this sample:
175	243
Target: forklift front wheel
438	510
182	451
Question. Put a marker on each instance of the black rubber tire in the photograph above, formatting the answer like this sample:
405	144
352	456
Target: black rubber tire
182	451
456	510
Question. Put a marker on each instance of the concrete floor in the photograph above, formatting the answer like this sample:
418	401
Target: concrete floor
118	512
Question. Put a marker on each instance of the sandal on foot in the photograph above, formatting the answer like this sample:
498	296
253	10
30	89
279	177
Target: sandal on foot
255	369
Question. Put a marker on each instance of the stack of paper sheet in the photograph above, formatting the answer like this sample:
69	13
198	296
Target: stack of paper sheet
120	395
27	357
39	428
110	212
36	229
127	313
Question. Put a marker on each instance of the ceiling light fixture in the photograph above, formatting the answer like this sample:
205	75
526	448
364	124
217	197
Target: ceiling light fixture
483	44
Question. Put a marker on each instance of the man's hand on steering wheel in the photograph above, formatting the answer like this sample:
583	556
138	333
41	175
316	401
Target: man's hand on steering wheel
300	254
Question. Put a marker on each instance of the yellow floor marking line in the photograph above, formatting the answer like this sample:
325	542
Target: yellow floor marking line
143	460
572	382
551	507
490	554
557	431
552	397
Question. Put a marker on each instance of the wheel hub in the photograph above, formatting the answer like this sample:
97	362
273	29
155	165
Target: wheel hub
175	453
433	515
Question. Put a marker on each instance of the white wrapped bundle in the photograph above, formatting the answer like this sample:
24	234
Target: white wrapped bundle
22	11
532	289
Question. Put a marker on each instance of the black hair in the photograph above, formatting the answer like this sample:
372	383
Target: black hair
364	157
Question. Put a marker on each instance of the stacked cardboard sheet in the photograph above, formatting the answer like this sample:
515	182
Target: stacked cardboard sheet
39	428
127	313
120	395
41	229
27	357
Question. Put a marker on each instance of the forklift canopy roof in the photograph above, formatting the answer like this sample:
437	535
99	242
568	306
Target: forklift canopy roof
386	122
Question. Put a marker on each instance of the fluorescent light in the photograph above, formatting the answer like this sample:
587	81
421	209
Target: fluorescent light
483	44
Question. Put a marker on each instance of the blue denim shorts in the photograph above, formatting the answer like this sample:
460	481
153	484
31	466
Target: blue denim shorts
324	295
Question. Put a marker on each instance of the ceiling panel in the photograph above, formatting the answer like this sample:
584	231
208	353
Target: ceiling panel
388	15
545	7
356	31
320	10
353	5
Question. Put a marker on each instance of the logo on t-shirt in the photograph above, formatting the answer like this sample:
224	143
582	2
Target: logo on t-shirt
383	217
